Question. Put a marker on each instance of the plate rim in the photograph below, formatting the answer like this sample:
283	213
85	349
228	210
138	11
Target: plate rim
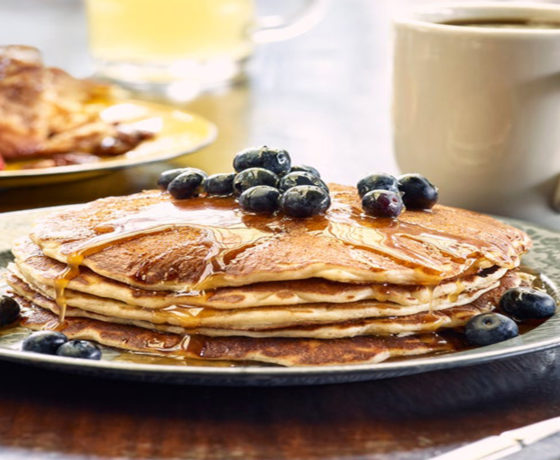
122	162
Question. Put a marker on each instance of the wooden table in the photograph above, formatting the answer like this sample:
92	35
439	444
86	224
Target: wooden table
46	414
324	97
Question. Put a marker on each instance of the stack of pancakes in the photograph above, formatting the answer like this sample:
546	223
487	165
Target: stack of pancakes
200	278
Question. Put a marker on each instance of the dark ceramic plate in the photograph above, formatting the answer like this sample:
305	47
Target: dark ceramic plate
544	257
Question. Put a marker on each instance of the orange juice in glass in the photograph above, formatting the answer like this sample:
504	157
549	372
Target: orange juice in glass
201	43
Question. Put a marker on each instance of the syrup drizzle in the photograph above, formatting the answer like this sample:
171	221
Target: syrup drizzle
231	232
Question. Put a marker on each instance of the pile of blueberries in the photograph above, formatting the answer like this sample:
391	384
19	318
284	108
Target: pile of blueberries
264	181
47	342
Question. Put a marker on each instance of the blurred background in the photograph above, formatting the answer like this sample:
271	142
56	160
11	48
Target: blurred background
324	95
340	66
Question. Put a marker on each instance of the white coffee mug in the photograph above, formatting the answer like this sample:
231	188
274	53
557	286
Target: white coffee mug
477	109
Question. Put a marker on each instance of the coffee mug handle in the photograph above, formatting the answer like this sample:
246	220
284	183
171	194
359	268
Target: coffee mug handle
277	28
556	197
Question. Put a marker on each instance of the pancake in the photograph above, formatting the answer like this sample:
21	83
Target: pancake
201	279
285	352
150	241
246	318
381	326
40	270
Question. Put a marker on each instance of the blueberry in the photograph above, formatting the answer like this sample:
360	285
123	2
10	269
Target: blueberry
377	182
260	199
294	179
46	342
167	176
248	158
219	184
277	161
305	201
79	349
490	328
187	184
525	303
418	192
9	310
253	176
382	203
305	168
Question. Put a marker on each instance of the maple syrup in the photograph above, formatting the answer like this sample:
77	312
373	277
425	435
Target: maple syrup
190	349
231	232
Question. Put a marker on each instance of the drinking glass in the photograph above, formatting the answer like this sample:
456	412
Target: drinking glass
183	46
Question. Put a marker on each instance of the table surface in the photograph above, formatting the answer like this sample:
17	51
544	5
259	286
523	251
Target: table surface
325	97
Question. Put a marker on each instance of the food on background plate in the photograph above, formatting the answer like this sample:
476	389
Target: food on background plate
53	119
238	268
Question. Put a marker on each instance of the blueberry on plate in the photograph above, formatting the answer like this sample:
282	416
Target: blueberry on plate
305	201
417	191
9	310
79	349
275	160
260	199
46	342
219	184
490	328
305	168
294	179
382	203
526	303
167	176
251	177
377	182
187	184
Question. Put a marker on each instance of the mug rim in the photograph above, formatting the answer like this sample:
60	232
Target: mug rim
425	17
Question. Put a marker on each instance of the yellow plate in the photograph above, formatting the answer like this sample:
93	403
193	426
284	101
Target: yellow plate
178	133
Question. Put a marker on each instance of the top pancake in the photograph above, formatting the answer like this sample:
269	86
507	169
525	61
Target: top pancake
39	269
151	241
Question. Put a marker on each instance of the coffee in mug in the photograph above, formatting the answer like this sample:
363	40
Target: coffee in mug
504	23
